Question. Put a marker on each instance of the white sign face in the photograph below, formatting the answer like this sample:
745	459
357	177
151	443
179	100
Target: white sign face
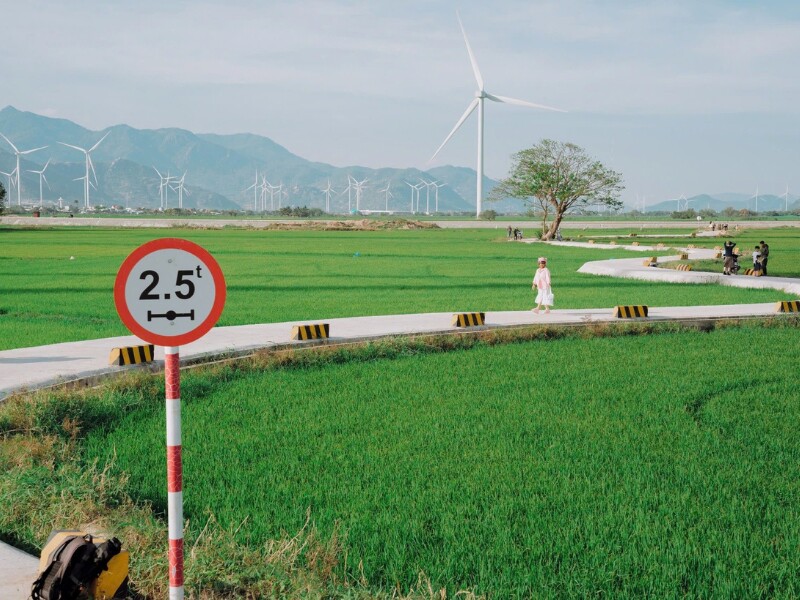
169	292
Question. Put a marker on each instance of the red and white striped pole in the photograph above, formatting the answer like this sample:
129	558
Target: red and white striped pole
172	385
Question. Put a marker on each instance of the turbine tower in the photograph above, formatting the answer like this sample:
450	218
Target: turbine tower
349	187
11	181
756	197
480	95
359	185
254	187
388	194
413	187
328	191
89	166
785	196
180	188
437	185
16	170
163	188
41	176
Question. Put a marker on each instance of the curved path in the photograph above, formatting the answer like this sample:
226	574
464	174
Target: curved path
86	361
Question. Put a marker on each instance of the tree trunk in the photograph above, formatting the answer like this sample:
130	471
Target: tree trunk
550	234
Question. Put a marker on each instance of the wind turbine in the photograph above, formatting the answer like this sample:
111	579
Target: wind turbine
480	95
17	171
388	194
11	181
328	191
413	187
163	187
89	166
180	189
349	187
359	185
41	176
254	187
756	197
437	185
785	196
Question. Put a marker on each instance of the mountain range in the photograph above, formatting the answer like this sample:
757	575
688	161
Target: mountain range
219	170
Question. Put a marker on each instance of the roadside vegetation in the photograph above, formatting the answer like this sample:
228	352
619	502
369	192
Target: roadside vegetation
535	462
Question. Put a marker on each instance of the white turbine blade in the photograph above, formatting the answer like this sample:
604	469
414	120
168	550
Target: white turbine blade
91	166
44	168
475	69
508	100
463	118
71	146
159	173
98	143
45	180
9	143
79	178
34	150
187	192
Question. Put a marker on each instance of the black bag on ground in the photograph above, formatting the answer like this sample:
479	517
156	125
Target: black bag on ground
73	567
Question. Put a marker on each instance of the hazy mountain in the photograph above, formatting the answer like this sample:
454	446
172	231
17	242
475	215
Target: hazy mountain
219	169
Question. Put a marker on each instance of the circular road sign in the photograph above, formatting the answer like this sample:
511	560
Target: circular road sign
169	292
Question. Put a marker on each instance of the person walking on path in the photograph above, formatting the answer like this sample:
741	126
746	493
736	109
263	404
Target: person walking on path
541	283
764	256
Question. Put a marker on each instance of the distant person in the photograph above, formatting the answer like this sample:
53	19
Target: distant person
541	283
764	256
519	234
757	258
516	233
727	255
510	232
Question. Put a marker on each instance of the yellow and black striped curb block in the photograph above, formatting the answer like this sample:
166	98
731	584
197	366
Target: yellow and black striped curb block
683	268
313	331
718	254
752	272
634	243
613	243
630	312
717	248
692	246
683	256
131	355
788	306
650	262
590	242
468	319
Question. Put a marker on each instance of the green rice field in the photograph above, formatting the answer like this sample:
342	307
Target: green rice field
648	466
56	284
585	464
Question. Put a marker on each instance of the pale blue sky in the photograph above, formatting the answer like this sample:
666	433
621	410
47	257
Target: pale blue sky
681	97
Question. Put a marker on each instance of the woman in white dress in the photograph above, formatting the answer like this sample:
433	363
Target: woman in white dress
541	283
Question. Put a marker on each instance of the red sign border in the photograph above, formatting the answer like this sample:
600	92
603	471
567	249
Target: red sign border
169	244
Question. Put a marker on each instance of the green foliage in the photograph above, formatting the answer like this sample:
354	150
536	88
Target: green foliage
2	199
689	213
489	215
302	212
561	176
